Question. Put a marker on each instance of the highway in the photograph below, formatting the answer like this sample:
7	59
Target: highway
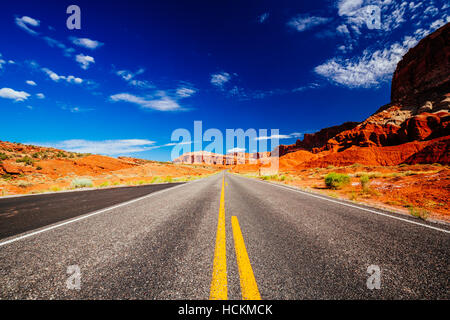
221	237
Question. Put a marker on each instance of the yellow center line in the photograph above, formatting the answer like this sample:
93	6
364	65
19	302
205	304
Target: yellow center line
219	288
249	288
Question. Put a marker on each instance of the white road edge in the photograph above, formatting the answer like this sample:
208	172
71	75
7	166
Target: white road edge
349	205
87	215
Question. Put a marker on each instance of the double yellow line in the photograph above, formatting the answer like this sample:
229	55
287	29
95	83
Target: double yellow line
219	284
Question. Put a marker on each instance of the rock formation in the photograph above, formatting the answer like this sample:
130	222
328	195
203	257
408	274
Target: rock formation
419	109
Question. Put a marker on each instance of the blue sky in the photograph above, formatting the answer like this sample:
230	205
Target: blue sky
137	70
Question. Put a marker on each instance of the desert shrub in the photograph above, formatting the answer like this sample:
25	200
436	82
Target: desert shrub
330	167
156	180
403	165
365	180
24	184
6	176
35	155
27	160
274	177
421	214
81	183
411	173
38	168
335	180
437	164
356	165
3	156
104	184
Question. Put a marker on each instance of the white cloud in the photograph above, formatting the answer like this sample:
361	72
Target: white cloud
297	134
128	75
304	22
72	79
368	70
413	6
40	95
184	92
263	17
342	29
25	23
51	74
84	61
57	44
346	7
374	14
106	147
431	10
439	23
309	86
234	150
12	94
31	83
86	43
161	102
219	79
141	84
274	136
55	77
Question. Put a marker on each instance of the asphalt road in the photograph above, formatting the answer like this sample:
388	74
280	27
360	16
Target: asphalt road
20	214
168	245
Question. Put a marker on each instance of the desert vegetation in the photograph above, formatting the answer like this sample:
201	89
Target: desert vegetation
419	190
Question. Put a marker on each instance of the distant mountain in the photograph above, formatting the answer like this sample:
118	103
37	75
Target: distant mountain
211	158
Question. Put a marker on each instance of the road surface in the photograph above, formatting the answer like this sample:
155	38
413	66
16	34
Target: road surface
224	236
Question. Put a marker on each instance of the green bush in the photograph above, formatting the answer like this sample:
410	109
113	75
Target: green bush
82	183
335	180
6	176
365	179
3	156
421	214
27	160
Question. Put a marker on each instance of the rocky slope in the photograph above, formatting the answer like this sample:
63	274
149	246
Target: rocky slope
315	141
34	169
423	73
